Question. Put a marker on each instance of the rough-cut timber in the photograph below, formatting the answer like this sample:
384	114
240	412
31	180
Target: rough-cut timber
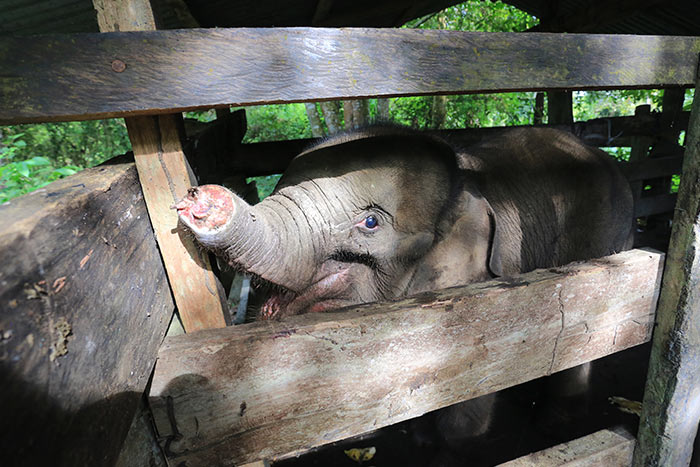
73	77
85	305
650	205
265	390
671	410
165	178
606	448
274	157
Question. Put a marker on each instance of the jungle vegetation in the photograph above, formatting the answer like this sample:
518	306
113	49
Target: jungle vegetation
33	155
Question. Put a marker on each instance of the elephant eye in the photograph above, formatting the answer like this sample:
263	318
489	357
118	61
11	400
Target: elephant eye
371	222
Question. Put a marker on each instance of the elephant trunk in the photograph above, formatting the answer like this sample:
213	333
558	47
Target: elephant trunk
266	240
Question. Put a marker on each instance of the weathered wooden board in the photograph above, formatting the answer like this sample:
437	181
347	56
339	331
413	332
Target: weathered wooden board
606	448
274	157
269	389
651	205
652	168
671	410
85	304
83	76
165	178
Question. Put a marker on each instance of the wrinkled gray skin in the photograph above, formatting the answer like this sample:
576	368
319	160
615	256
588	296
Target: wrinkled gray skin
523	199
520	200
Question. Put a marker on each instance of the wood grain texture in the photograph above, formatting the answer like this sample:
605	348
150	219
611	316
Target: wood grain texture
671	410
603	448
270	389
85	305
165	178
124	15
274	157
69	77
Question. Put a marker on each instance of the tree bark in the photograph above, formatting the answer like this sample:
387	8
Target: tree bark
314	120
360	113
348	114
383	109
538	118
331	115
559	108
438	112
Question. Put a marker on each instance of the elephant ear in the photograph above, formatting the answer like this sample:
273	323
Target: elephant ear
504	254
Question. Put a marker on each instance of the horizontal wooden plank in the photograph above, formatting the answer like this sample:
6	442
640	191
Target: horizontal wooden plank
274	157
84	76
85	305
269	389
650	168
605	448
650	205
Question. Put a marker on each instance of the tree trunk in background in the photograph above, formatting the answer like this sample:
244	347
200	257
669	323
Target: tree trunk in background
331	114
347	114
314	120
360	113
559	108
538	118
383	110
438	112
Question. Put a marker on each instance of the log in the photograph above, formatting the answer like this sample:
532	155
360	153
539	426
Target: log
267	390
85	305
609	448
671	410
88	76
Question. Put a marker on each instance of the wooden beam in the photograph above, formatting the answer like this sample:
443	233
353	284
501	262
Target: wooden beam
274	157
270	389
165	177
605	448
671	407
85	305
560	108
652	168
594	16
651	205
87	76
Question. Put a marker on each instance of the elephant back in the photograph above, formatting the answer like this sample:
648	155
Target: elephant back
554	199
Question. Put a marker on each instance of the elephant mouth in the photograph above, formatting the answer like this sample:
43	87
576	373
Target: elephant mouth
327	292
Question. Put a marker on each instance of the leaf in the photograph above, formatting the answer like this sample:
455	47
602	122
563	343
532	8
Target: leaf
23	169
65	171
38	160
361	455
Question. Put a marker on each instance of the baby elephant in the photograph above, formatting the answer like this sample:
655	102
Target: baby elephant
388	212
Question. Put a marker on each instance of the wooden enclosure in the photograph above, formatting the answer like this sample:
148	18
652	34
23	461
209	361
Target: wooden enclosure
87	298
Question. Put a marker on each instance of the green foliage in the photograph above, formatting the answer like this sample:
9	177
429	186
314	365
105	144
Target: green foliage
477	15
19	176
276	122
265	184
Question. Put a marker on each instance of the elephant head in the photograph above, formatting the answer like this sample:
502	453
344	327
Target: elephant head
384	213
359	218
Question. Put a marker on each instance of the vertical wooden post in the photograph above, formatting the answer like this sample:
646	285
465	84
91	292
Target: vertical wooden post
559	107
165	177
671	408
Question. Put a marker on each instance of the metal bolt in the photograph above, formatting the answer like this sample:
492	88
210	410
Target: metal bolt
118	66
